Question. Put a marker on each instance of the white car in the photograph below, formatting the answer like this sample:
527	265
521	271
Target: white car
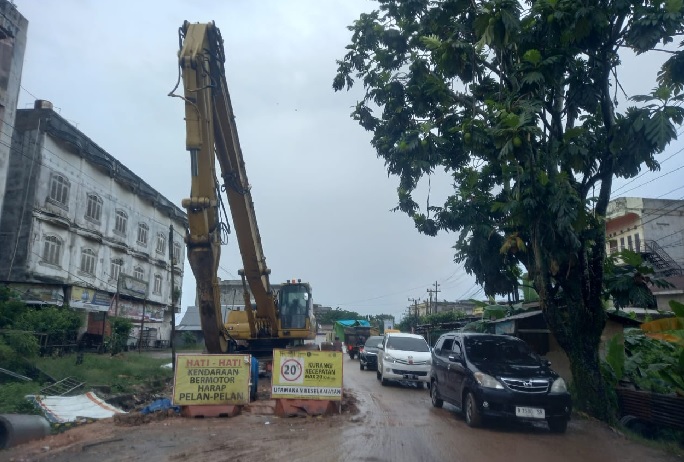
404	358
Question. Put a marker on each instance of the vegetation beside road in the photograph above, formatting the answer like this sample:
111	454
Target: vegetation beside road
123	373
30	364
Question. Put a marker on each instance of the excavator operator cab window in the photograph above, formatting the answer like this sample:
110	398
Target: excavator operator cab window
294	302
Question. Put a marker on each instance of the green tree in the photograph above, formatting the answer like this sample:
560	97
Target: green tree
121	329
517	102
61	324
628	280
335	315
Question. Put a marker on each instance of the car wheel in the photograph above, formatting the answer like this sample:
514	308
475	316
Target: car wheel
360	365
434	395
472	413
558	425
377	374
383	380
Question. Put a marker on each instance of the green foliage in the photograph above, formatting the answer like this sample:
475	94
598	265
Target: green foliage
677	308
24	344
121	329
11	307
59	323
516	103
652	364
12	397
337	314
125	372
628	280
189	338
615	357
442	317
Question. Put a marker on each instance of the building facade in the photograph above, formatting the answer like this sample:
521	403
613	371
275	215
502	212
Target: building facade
653	228
77	226
13	28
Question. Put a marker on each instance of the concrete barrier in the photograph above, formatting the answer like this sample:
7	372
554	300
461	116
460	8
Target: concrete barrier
16	429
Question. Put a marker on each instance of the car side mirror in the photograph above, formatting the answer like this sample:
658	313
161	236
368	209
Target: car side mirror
380	346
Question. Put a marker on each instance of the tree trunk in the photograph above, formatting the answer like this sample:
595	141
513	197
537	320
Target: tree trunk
577	327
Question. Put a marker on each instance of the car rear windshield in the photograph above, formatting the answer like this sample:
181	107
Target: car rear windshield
499	349
373	342
407	344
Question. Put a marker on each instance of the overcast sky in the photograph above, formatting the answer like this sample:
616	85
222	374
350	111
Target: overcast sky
322	197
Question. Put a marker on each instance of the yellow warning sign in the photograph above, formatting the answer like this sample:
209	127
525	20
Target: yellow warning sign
307	375
211	379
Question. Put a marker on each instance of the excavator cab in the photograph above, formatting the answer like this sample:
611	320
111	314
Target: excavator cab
294	305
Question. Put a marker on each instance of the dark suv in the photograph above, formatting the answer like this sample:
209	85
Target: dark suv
497	376
368	357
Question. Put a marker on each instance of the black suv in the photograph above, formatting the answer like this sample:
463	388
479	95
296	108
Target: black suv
368	357
497	376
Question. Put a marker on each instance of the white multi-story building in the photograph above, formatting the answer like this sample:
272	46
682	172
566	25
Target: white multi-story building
13	28
653	228
78	226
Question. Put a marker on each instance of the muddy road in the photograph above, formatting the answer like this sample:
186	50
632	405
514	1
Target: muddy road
394	423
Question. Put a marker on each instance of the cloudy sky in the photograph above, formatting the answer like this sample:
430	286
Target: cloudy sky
322	196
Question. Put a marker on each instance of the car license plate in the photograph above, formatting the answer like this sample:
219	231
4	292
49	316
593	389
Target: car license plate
530	412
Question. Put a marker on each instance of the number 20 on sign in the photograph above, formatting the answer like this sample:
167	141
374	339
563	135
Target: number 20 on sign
291	370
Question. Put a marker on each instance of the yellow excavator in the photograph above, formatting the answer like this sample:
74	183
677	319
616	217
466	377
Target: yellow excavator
278	318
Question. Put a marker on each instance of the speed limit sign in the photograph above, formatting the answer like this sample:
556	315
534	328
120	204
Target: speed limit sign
291	370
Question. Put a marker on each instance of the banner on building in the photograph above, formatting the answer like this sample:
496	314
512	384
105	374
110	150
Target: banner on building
307	375
89	299
39	294
132	286
136	310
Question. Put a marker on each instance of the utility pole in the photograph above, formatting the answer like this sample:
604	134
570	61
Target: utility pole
173	301
433	291
415	311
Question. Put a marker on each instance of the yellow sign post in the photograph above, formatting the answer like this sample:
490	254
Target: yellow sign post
211	379
307	375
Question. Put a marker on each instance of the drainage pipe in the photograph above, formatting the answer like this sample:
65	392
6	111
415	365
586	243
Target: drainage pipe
16	429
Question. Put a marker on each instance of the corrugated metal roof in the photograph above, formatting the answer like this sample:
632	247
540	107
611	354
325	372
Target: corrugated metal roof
527	314
191	318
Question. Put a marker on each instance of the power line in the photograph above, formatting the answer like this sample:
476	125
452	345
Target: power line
647	171
652	180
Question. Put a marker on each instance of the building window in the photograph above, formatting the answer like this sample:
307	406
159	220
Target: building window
637	242
138	273
59	190
142	233
88	258
176	252
157	284
94	208
613	246
161	243
629	243
121	221
52	251
115	268
622	244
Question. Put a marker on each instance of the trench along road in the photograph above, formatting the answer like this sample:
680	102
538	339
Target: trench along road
394	423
